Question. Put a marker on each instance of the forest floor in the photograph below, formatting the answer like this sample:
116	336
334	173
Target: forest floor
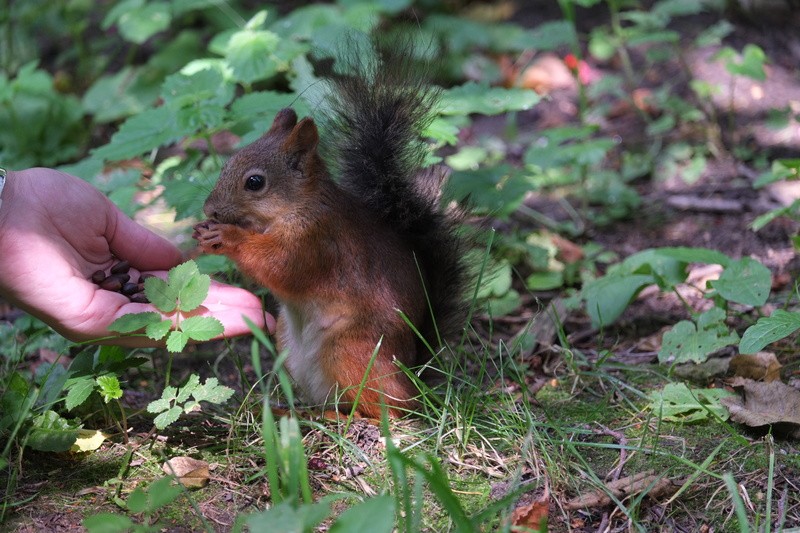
593	426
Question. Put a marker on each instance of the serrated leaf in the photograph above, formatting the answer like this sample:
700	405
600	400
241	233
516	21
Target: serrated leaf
158	330
139	134
109	387
678	403
134	322
202	328
194	293
79	392
687	341
184	392
157	406
176	341
167	417
250	54
768	330
180	275
211	391
161	294
745	281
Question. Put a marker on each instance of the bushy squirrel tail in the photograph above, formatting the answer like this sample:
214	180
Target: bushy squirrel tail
378	106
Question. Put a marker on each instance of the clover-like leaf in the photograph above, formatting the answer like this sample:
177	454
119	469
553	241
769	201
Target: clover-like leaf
109	387
167	417
161	294
202	328
211	391
176	341
157	330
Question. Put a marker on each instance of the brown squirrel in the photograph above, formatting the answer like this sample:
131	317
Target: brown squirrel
346	257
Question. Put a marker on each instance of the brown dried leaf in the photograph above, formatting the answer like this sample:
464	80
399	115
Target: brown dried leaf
765	404
192	473
530	517
762	366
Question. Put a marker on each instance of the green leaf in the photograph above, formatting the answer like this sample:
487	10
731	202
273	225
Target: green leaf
161	294
194	292
176	341
607	297
109	387
134	321
51	433
477	98
211	391
180	276
687	341
250	54
191	385
678	403
202	328
162	404
108	523
750	65
167	417
285	518
157	330
139	24
161	492
745	281
497	190
375	515
545	281
137	501
141	133
768	330
78	393
696	255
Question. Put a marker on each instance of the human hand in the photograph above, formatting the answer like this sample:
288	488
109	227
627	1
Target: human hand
56	230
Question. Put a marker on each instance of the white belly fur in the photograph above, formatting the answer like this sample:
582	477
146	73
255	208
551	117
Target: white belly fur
303	337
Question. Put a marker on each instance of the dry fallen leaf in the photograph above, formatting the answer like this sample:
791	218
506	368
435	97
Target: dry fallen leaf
761	366
765	404
88	440
192	473
530	517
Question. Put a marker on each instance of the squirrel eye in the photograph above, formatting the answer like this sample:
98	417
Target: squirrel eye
255	182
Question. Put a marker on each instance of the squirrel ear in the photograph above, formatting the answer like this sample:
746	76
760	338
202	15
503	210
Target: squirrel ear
284	120
301	142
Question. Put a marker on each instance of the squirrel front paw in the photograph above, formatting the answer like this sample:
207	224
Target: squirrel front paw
214	237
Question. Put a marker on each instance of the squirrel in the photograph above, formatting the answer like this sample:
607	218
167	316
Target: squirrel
352	261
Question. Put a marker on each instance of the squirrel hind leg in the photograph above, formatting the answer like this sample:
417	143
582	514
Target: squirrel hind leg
387	386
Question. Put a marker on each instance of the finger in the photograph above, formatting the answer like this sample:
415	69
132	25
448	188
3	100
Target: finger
142	248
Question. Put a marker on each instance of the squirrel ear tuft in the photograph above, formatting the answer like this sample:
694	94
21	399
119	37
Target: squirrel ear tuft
284	120
301	142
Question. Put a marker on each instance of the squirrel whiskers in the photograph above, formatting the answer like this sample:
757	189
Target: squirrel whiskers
344	257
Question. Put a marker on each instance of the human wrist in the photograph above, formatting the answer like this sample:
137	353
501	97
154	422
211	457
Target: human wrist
2	184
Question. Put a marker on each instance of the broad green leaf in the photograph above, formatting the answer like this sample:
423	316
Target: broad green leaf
51	433
138	25
108	523
666	271
496	190
286	518
161	492
476	98
745	281
161	294
141	133
768	330
375	515
678	403
137	501
607	297
157	330
250	54
167	417
79	392
180	276
211	391
750	65
109	387
193	294
545	281
687	341
202	328
134	321
695	255
176	341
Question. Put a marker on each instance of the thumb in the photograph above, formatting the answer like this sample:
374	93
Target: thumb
142	248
